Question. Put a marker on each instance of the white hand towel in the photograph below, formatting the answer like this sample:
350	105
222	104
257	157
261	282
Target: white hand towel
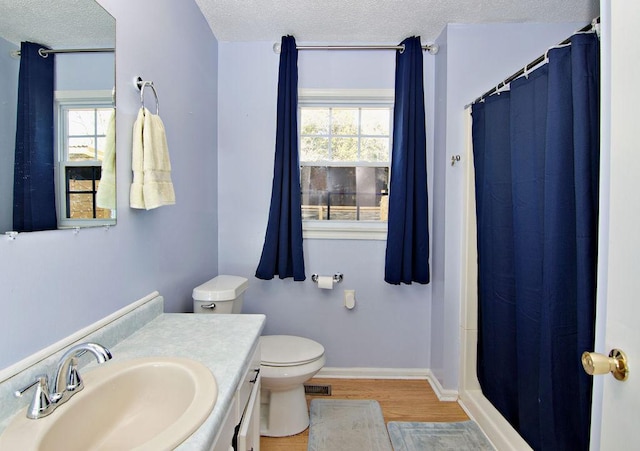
136	199
106	195
152	186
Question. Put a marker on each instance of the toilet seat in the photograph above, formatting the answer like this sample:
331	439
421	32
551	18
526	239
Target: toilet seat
288	350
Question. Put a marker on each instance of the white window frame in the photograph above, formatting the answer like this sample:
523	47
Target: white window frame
77	99
363	98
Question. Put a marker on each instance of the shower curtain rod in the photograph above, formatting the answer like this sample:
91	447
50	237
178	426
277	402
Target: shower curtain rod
431	48
531	65
44	52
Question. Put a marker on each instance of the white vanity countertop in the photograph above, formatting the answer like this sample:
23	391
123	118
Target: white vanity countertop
224	343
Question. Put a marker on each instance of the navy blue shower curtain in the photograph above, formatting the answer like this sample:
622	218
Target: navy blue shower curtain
34	206
407	254
282	251
536	154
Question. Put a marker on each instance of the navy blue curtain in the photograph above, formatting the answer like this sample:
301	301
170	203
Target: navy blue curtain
282	251
34	205
407	254
536	154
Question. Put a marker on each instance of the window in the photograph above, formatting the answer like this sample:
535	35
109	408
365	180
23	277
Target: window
82	128
345	148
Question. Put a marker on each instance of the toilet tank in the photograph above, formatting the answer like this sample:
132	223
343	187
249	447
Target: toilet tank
222	294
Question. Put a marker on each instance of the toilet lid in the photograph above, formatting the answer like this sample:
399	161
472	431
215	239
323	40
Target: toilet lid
287	350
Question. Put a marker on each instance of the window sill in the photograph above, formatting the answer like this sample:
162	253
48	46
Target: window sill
85	223
344	230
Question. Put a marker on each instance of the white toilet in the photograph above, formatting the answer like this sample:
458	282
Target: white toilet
287	361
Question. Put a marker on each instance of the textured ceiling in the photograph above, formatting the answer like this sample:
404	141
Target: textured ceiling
83	23
57	24
375	21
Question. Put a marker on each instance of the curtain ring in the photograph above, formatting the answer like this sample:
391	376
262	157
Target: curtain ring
402	49
43	53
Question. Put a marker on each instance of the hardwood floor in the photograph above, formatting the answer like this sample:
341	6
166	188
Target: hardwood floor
401	400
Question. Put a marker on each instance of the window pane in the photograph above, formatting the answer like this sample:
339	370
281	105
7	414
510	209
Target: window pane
344	149
373	185
344	121
81	185
374	149
80	206
104	114
81	178
313	183
81	122
341	201
344	193
81	149
375	121
314	121
314	149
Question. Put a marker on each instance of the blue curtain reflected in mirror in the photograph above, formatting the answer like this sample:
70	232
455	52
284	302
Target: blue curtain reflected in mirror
34	206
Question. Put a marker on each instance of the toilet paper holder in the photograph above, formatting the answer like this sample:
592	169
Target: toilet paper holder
337	277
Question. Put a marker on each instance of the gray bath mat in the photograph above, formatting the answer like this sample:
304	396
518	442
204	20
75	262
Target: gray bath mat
347	425
465	435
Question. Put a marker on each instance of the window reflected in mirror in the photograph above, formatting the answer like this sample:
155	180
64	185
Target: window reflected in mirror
84	126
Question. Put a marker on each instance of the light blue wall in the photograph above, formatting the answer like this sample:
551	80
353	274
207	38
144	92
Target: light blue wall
54	283
9	68
84	71
438	358
476	57
389	328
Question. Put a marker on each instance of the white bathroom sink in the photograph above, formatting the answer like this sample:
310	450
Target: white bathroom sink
148	403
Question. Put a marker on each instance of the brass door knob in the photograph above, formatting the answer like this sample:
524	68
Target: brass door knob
616	364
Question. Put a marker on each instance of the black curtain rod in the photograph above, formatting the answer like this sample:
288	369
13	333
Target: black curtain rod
531	65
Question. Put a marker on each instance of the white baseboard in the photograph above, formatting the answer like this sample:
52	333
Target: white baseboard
374	373
493	424
391	373
443	394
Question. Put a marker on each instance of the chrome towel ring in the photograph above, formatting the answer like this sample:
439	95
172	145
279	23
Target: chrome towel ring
141	84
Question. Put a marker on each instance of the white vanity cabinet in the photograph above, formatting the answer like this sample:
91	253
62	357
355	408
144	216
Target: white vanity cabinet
249	432
241	428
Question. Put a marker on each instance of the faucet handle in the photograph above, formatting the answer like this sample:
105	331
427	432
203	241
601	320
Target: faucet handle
74	381
41	402
42	379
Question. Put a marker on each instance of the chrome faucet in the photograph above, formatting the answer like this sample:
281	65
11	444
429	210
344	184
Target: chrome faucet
67	380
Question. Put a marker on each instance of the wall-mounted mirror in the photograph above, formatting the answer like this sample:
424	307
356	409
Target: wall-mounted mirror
78	154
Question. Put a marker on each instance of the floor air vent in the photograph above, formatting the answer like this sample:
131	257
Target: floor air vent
317	389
